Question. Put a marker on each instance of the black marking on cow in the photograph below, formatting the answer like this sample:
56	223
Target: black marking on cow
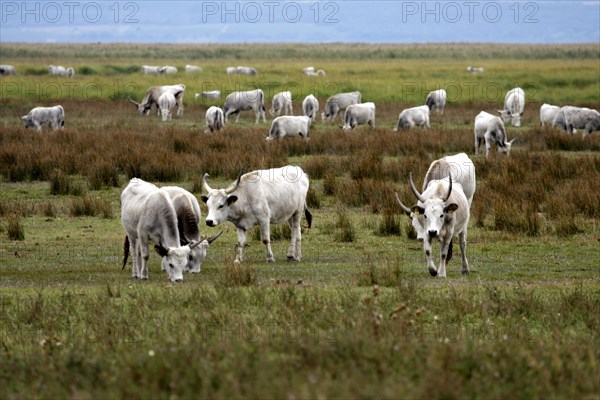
449	255
125	251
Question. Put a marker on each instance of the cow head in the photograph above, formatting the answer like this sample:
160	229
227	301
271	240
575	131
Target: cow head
28	121
514	118
218	201
198	252
174	260
142	109
505	148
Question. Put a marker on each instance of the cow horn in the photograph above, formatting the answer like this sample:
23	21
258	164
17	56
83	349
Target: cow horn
449	187
402	206
237	183
132	101
208	188
213	238
194	244
414	189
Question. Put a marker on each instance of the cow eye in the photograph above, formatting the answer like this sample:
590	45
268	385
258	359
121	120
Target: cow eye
221	206
190	257
425	216
442	216
171	266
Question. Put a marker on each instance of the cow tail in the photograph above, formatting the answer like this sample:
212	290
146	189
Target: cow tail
308	215
262	100
125	251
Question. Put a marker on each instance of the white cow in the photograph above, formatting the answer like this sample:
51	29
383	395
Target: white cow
192	68
167	70
148	214
436	100
38	116
310	107
514	104
474	70
7	70
289	125
442	211
578	118
188	224
154	93
231	70
414	116
245	70
359	114
150	69
490	129
262	197
243	101
548	114
310	71
61	71
215	121
338	103
282	101
209	95
166	103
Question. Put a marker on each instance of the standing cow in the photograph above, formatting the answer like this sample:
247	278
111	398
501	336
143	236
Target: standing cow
572	118
154	93
548	114
338	103
414	116
359	114
243	101
282	102
7	70
262	197
310	107
490	129
166	103
290	125
514	104
38	116
436	100
214	119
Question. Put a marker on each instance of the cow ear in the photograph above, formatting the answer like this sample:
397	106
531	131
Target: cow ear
450	208
231	199
161	250
417	210
204	198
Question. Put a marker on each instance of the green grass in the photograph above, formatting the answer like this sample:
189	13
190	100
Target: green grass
359	316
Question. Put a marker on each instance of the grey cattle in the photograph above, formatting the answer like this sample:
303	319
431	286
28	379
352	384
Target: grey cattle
214	119
571	118
289	125
167	69
338	103
310	107
209	95
188	224
61	71
475	70
359	114
414	116
262	197
241	70
148	214
490	129
7	70
38	116
192	68
166	103
548	114
243	101
154	93
310	71
151	69
282	101
436	100
514	104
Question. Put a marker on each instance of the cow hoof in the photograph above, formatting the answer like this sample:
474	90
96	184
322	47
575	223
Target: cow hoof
271	261
292	259
465	272
433	272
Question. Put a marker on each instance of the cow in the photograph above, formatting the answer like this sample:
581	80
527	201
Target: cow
474	70
38	116
7	70
514	104
166	103
359	114
188	224
262	197
243	101
442	212
167	70
148	214
245	71
436	100
548	114
192	68
414	116
310	107
150	70
282	101
310	71
289	125
214	119
573	118
490	129
338	103
61	71
231	70
152	95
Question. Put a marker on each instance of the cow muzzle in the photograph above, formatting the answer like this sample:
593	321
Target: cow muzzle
432	233
210	222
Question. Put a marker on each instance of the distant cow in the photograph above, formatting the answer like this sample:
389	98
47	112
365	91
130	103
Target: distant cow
414	116
7	70
214	119
150	69
436	100
245	71
243	101
209	95
262	197
188	223
153	94
514	104
148	214
231	70
167	70
310	107
289	125
338	103
474	70
282	101
166	103
548	114
310	71
578	118
192	68
61	71
490	129
359	114
38	116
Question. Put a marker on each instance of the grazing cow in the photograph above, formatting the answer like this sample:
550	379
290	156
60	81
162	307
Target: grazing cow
262	197
310	107
359	114
214	119
282	102
7	70
192	68
436	100
188	224
445	213
148	214
474	70
166	103
167	70
338	103
152	95
310	71
414	116
231	70
514	104
150	70
244	101
571	118
245	71
289	125
490	129
548	113
38	116
61	71
209	95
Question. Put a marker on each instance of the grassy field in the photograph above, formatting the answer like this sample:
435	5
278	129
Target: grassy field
359	316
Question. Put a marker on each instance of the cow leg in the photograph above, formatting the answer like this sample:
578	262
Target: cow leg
262	112
144	255
133	249
444	244
430	265
265	237
477	143
241	234
462	238
179	108
295	249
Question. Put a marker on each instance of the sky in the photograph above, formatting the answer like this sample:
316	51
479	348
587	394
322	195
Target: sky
268	21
